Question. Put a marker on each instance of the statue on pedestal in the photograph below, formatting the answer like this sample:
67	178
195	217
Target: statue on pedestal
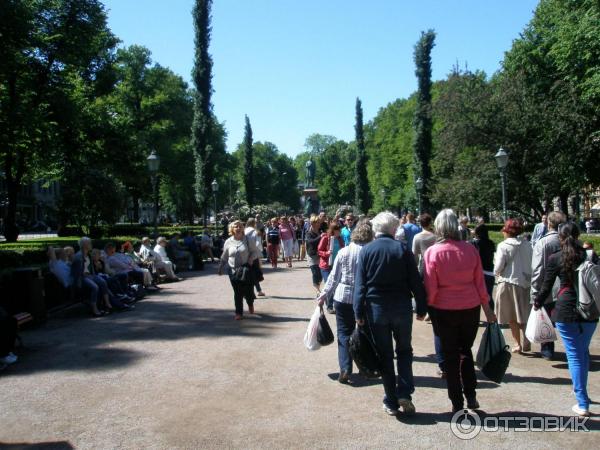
311	169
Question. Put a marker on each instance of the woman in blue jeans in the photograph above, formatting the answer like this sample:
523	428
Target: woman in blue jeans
340	286
575	332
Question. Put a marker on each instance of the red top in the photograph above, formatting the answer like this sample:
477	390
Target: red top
324	252
453	276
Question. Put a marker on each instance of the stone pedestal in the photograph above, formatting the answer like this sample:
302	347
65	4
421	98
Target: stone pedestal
311	201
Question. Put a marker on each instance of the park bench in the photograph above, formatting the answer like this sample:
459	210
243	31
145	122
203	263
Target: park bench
22	318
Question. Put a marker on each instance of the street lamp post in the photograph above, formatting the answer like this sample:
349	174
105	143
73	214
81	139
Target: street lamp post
502	161
153	165
215	189
419	186
384	197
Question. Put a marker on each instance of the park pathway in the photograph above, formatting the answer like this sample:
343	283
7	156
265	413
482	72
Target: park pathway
179	372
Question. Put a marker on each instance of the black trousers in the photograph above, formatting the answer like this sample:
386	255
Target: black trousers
242	290
8	334
457	330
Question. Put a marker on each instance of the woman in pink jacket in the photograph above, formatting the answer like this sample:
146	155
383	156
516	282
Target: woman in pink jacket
456	293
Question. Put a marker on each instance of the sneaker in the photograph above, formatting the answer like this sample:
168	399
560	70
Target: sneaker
390	411
260	294
472	403
580	411
331	310
407	406
9	359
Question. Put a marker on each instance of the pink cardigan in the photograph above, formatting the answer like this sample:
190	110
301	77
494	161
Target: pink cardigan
453	276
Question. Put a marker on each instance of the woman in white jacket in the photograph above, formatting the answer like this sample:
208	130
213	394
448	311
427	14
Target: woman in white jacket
340	286
512	267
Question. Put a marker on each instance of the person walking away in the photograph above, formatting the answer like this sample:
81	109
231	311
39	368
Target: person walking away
313	236
456	294
545	247
252	234
512	266
463	229
421	242
539	231
409	230
287	240
273	240
238	252
340	286
575	332
386	280
348	229
486	248
329	246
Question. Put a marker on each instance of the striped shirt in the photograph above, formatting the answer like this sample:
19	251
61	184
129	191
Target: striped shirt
340	283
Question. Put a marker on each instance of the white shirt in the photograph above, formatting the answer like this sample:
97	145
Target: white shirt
162	252
147	254
251	233
341	278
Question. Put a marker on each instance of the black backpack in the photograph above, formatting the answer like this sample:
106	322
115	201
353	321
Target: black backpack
364	353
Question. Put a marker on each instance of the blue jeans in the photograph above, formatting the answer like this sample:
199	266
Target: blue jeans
392	324
576	337
344	315
325	275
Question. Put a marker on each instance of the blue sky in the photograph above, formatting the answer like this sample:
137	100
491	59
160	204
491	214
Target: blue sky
296	67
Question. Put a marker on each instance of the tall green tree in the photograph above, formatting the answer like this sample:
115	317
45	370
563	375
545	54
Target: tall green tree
423	122
248	164
203	117
52	53
362	198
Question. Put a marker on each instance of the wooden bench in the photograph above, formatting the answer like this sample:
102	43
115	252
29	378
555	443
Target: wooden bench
22	318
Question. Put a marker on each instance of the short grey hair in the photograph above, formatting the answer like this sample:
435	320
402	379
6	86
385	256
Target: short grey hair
385	223
84	240
446	225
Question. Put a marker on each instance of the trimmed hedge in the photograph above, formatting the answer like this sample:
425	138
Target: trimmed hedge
126	229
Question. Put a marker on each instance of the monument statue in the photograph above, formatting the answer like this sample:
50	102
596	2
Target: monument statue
311	168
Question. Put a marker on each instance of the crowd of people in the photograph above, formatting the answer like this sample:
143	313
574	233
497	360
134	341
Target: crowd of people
388	270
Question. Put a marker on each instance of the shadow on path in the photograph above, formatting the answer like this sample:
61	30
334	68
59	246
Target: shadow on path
58	445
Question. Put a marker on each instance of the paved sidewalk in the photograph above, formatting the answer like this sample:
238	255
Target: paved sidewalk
179	372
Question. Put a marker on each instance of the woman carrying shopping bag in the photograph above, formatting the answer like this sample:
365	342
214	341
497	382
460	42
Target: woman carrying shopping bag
575	332
340	286
512	267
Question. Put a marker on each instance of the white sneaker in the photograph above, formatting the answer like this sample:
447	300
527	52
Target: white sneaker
390	411
407	406
580	411
8	359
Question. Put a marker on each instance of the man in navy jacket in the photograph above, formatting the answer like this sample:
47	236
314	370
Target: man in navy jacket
386	281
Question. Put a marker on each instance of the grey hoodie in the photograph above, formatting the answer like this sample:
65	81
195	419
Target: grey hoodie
545	247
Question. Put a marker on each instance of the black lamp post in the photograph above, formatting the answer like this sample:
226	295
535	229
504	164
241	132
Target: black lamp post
419	186
215	188
384	197
153	165
502	162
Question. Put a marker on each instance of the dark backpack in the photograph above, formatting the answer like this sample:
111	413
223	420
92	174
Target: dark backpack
364	353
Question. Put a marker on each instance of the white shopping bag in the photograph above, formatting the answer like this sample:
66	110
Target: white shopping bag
310	338
539	327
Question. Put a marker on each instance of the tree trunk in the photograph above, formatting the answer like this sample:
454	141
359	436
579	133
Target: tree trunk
11	230
564	203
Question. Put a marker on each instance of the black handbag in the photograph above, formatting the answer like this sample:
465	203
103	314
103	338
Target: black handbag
324	333
496	366
242	274
364	353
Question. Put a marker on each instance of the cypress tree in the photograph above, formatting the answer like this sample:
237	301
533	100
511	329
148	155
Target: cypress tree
201	125
423	124
362	198
248	164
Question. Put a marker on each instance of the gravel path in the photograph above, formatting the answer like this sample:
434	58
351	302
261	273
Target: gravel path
179	372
